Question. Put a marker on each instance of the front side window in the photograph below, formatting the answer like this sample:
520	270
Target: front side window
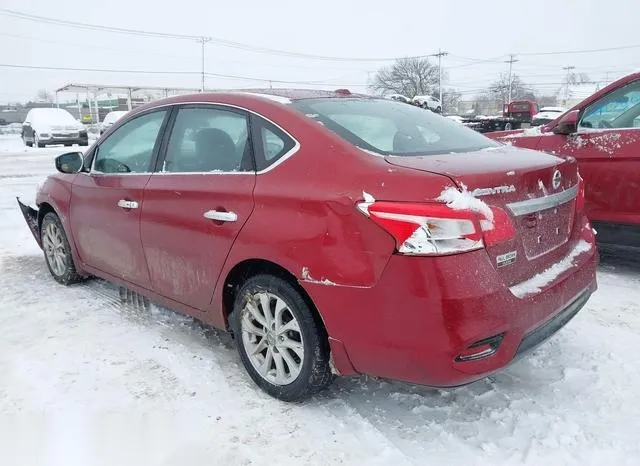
130	148
618	109
209	140
389	127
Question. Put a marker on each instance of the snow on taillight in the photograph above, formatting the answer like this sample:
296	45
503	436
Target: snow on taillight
431	229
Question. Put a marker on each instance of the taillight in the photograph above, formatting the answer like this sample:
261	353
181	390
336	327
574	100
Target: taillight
437	229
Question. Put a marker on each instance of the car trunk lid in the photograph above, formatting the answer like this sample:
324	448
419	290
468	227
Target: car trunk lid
536	191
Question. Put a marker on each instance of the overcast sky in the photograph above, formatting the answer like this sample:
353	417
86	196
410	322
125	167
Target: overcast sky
469	30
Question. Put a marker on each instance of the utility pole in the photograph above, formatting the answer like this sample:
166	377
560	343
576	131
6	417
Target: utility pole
511	61
203	41
566	89
440	54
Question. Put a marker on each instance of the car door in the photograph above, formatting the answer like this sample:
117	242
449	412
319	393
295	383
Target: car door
106	201
197	202
607	147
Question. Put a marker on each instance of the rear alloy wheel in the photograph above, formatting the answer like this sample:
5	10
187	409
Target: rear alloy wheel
281	345
57	252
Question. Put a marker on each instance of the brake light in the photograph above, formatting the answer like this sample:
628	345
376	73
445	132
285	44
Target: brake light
437	229
501	230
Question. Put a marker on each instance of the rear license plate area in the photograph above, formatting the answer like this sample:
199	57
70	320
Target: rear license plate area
545	230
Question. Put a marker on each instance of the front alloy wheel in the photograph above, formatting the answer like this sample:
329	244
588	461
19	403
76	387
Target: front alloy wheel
57	252
282	344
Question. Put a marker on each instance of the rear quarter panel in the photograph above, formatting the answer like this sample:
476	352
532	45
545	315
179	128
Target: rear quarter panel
306	218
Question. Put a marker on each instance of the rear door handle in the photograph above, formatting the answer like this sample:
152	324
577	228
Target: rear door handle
127	204
221	216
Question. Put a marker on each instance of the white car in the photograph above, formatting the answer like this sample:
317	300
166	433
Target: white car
44	126
547	115
399	98
110	118
428	102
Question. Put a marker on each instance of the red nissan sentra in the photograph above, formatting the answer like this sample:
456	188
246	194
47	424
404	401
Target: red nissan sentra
332	233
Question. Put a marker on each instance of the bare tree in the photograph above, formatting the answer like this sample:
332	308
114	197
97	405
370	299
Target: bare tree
407	76
44	96
547	100
450	100
577	78
499	90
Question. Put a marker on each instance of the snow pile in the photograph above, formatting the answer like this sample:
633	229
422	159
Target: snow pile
275	98
539	281
464	200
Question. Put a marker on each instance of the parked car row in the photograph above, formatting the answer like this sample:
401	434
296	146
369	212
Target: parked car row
407	257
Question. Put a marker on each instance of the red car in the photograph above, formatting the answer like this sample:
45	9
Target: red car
603	134
332	233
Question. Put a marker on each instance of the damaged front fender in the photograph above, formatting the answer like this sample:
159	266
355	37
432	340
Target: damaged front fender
31	217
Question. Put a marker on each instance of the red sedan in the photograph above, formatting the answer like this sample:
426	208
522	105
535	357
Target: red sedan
332	233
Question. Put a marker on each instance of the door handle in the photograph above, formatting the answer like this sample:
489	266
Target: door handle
221	216
127	204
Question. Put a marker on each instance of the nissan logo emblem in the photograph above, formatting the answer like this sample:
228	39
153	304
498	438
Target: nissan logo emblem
556	180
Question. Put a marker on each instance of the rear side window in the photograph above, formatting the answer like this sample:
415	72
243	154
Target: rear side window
390	127
273	143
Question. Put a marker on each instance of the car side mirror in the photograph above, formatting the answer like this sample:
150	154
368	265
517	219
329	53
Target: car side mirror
568	123
71	162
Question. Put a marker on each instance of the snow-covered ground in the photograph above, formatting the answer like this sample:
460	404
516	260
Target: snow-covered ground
87	380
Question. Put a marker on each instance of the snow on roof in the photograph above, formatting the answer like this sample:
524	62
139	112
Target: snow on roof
51	116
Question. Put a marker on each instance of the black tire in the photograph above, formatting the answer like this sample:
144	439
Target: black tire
27	143
438	109
67	275
315	372
508	126
36	140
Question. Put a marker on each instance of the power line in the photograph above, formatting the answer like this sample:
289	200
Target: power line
59	68
216	40
568	52
324	82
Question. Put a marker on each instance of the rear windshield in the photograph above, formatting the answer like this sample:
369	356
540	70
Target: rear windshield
389	127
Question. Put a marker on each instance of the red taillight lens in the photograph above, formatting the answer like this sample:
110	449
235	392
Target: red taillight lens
500	230
437	229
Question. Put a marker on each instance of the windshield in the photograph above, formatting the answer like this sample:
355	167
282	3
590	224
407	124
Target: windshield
389	127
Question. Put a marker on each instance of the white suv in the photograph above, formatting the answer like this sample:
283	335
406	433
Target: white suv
44	126
428	102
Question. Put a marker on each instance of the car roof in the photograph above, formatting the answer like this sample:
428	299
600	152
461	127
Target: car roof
244	97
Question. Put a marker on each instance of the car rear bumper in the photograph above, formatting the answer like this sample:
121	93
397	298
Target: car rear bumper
447	321
52	140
